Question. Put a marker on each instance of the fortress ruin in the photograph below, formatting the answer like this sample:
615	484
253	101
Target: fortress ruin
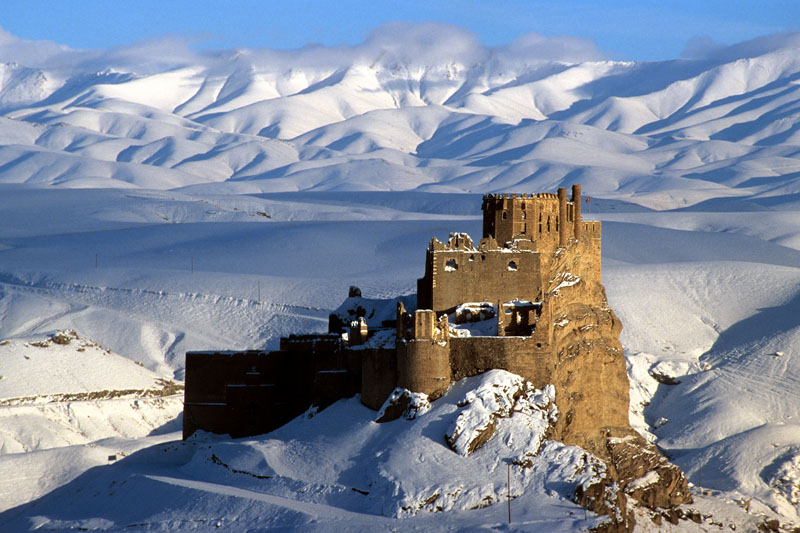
527	298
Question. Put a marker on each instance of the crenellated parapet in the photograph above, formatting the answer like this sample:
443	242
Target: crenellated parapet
546	218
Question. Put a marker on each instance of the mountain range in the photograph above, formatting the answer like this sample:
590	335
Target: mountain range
683	131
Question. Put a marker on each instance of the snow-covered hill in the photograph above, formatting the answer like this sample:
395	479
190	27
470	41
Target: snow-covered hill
222	200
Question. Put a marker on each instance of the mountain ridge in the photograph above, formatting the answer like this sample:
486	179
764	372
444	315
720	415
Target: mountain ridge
694	129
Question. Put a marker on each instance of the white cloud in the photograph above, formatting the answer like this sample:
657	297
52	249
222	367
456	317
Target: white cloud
426	43
403	43
702	47
395	43
30	53
534	47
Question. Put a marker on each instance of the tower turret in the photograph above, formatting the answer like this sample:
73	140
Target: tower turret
423	357
562	216
576	215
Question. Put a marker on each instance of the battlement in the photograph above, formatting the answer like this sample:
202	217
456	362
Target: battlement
546	218
522	196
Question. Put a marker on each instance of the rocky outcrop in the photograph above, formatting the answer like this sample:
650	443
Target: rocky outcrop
593	396
637	475
403	403
644	474
590	375
501	395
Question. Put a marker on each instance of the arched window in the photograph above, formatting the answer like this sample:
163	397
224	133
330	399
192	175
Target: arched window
450	265
505	215
512	266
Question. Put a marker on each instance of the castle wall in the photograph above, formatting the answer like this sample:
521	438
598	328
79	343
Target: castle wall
592	232
521	355
208	417
239	393
332	385
482	276
253	392
423	366
378	377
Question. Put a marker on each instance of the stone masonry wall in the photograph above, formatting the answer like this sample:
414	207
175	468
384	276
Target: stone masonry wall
378	376
521	355
484	276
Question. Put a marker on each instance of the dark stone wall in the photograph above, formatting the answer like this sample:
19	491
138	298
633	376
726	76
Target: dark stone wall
212	418
378	376
239	393
521	355
254	392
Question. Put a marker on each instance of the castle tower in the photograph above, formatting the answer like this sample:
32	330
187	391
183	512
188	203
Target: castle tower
548	219
423	357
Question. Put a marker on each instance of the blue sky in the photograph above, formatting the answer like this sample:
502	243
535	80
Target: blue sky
641	30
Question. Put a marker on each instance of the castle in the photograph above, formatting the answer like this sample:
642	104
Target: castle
528	299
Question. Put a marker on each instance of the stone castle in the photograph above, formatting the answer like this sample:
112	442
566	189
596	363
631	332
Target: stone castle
526	299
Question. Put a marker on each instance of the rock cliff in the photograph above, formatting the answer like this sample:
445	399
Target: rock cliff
593	395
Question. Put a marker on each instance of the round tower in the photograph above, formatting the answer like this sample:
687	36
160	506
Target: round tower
423	359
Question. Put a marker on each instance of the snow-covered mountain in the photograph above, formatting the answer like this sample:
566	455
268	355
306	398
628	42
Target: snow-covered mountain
221	200
373	119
